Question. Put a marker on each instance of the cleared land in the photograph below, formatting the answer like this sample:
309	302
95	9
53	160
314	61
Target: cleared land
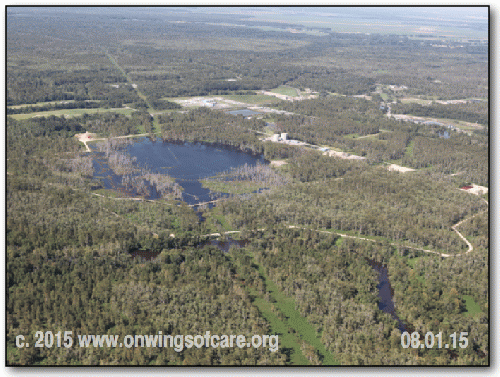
398	168
278	162
471	306
257	99
40	104
460	126
72	112
286	91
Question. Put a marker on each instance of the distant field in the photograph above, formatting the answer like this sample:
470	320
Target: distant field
254	99
384	96
175	98
409	148
471	306
411	262
286	91
416	100
465	126
39	104
71	113
235	187
351	136
202	43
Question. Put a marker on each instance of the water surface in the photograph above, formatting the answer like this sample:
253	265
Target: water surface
186	162
245	112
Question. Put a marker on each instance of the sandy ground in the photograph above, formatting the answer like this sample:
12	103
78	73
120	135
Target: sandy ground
85	137
365	96
343	155
401	169
477	190
289	98
278	162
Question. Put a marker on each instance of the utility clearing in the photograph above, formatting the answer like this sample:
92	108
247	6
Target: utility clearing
398	168
85	137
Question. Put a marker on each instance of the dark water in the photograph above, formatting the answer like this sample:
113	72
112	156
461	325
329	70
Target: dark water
226	245
144	254
385	292
187	162
221	245
110	180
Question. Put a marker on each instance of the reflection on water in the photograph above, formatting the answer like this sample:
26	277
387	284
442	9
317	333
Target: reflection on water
144	254
244	112
226	245
186	162
385	292
221	245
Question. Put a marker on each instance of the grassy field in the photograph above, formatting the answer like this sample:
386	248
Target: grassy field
409	148
285	90
351	136
416	100
346	24
286	321
286	338
109	193
227	43
38	104
463	125
411	262
384	96
257	99
236	187
71	113
471	306
215	219
289	341
300	324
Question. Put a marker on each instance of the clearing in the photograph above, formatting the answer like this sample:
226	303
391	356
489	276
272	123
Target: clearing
278	162
68	113
476	190
343	155
285	91
398	168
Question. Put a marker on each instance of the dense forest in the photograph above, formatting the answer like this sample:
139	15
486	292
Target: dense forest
295	246
213	127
